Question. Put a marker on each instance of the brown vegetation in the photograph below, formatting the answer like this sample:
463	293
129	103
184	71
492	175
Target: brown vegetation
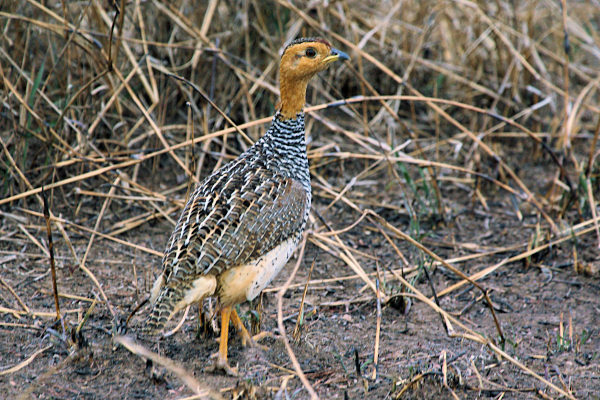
456	153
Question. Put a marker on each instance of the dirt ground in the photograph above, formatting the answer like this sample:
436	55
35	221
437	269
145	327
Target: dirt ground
533	303
481	161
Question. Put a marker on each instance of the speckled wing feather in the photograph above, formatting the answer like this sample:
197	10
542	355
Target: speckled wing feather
237	215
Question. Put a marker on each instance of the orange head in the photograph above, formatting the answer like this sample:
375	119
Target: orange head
300	61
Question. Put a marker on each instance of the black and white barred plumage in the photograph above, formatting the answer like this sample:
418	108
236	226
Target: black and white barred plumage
241	225
237	215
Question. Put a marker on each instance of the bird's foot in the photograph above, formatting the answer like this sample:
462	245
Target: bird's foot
253	340
245	335
221	365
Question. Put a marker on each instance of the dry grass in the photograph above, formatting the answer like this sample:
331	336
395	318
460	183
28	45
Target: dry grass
446	109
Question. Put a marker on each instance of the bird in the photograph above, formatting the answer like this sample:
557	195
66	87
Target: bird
241	225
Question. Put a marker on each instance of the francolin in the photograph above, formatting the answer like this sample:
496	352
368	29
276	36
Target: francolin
241	224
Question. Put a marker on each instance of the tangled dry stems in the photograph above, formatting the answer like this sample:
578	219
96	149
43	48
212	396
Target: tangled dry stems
448	91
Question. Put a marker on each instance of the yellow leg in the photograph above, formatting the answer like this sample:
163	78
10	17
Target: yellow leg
225	315
239	325
246	337
222	363
229	314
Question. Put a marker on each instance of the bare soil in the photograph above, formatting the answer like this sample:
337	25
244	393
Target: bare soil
534	304
501	122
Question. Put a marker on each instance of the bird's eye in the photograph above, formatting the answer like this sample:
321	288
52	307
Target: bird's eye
311	53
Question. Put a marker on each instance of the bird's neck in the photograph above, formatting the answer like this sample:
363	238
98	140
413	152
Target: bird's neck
285	147
286	137
293	96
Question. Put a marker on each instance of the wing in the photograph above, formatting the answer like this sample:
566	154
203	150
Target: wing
234	217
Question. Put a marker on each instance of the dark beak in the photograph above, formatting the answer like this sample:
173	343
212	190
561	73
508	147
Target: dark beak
335	55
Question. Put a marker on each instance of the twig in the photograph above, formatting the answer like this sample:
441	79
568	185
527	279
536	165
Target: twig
445	375
412	382
432	104
11	290
565	139
100	234
300	320
474	336
25	363
377	329
288	348
458	272
136	309
89	246
179	325
187	378
592	203
435	296
212	103
189	135
51	250
592	153
359	376
45	314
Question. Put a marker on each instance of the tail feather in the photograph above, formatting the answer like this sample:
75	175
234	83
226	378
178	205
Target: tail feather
173	296
162	310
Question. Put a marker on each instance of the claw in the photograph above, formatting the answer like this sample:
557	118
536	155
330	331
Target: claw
223	366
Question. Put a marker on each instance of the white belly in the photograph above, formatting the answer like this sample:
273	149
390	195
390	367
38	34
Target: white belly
245	282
